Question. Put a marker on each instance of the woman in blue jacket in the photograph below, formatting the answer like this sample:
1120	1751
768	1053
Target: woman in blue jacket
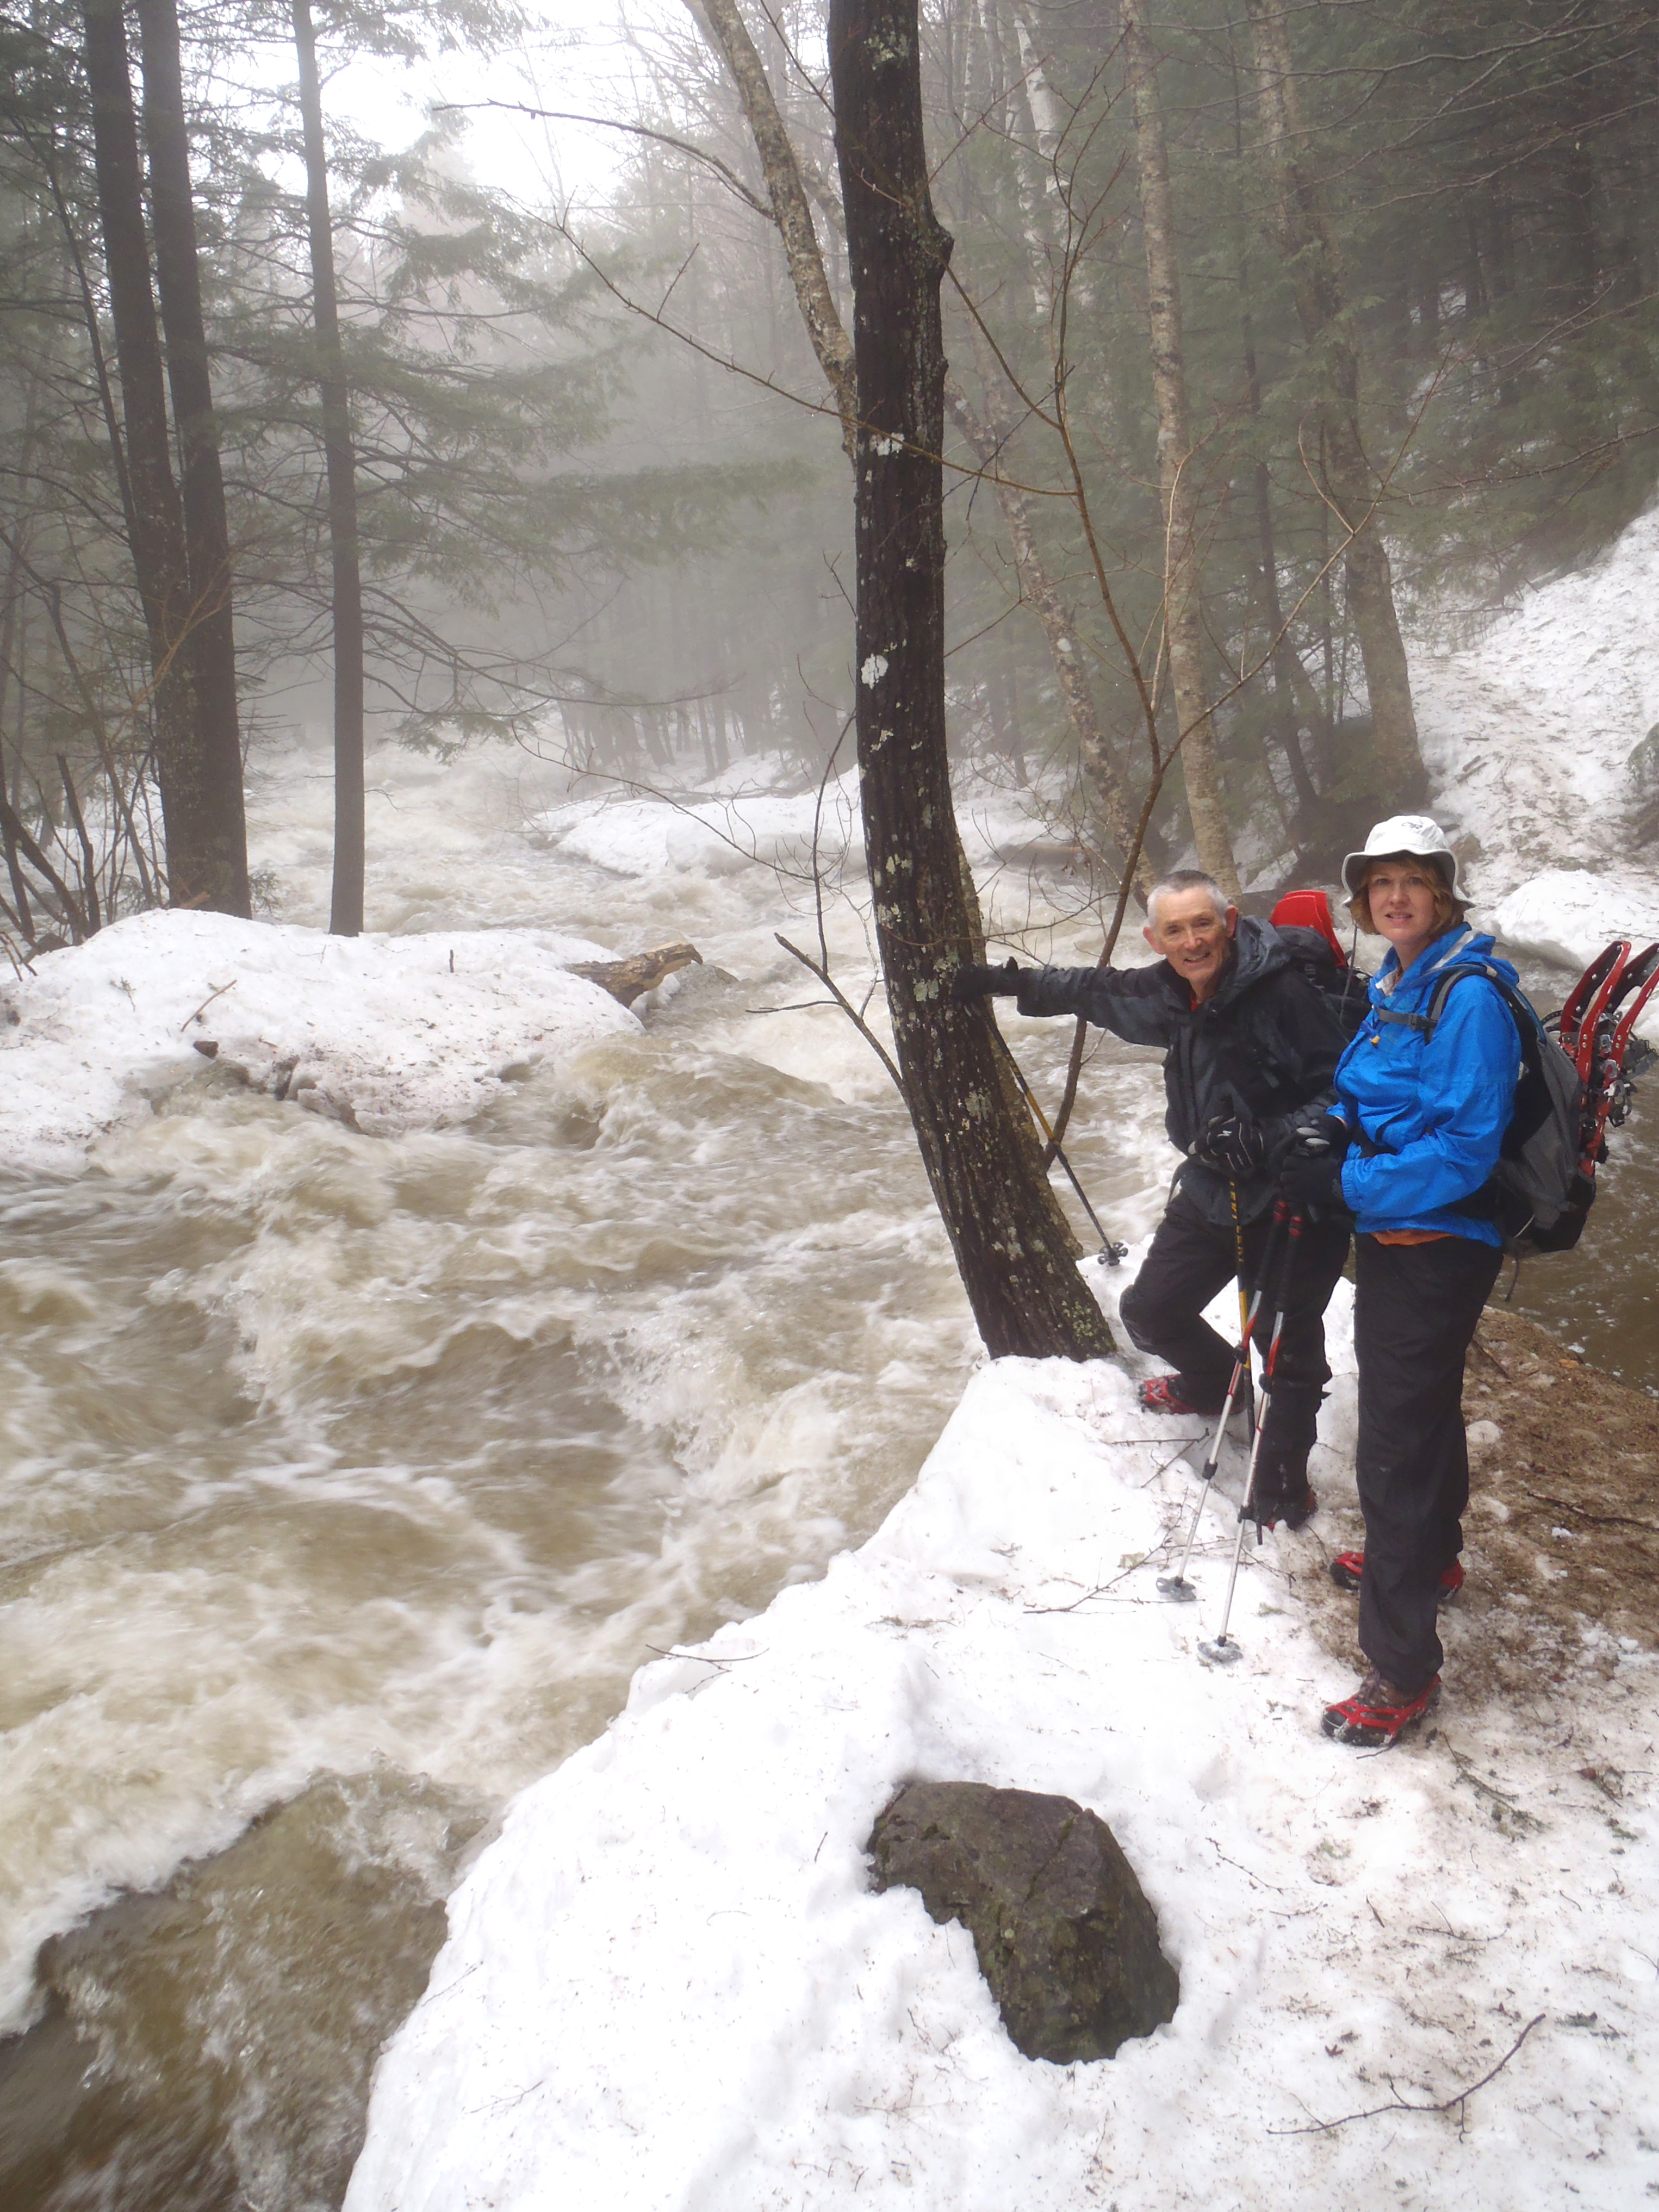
1420	1122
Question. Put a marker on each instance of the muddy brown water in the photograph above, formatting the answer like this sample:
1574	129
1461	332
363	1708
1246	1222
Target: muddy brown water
348	1481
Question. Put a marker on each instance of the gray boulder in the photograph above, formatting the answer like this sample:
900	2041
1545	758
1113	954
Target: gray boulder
1065	1935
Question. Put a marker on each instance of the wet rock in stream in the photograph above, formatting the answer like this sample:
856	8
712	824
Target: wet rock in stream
1065	1935
208	2047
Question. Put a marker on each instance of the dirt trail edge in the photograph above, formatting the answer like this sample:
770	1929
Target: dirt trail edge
1563	1525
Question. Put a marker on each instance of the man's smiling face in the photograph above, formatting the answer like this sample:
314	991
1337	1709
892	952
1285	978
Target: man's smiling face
1195	940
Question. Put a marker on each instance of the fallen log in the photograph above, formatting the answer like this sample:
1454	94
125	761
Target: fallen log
630	979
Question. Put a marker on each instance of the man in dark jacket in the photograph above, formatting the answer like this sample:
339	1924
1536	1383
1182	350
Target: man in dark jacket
1251	1047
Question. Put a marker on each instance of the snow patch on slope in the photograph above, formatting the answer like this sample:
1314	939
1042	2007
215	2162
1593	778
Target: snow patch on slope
1527	734
391	1033
667	1983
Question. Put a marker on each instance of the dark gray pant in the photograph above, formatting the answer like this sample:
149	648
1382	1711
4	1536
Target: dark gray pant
1192	1258
1415	1311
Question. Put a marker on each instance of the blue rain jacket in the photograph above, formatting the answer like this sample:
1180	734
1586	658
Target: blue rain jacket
1438	1107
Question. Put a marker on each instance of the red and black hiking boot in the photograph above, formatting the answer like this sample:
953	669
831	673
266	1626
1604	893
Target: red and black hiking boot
1162	1393
1348	1567
1377	1714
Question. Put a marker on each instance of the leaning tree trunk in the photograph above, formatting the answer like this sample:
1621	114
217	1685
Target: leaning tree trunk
346	907
223	883
1183	620
790	210
1009	1238
157	525
1305	241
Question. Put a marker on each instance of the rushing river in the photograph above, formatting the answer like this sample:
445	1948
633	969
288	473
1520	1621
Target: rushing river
348	1479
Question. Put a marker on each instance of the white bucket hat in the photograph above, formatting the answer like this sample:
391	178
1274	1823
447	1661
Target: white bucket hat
1415	834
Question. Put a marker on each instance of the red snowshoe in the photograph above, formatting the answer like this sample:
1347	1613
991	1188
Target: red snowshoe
1378	1714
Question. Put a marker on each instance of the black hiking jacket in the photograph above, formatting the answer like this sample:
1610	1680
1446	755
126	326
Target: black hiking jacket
1266	1045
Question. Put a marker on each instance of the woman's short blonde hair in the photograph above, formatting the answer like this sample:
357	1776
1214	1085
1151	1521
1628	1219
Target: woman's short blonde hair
1448	912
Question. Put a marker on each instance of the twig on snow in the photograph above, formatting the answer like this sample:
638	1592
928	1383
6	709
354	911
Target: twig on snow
1399	2104
206	1003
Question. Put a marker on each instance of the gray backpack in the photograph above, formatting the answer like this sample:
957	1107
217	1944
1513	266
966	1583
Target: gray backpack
1538	1195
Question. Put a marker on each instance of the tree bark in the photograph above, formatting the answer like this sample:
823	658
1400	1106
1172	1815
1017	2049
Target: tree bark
1305	241
1183	625
346	906
157	524
221	866
1009	1238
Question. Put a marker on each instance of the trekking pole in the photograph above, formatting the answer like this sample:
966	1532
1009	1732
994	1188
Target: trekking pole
1221	1651
1110	1252
1175	1587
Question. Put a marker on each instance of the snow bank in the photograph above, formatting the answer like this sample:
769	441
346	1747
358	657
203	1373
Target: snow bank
1528	734
649	837
388	1033
1569	914
716	835
667	1984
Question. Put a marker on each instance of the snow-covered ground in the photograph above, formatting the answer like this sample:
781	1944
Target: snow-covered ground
669	1984
387	1033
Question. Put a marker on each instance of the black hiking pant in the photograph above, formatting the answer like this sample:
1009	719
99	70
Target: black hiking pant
1415	1311
1192	1258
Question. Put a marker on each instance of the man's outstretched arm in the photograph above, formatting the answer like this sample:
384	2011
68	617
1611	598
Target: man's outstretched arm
1134	1003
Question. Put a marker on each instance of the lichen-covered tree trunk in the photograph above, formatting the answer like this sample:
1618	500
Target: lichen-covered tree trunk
221	881
1183	623
1009	1236
1309	251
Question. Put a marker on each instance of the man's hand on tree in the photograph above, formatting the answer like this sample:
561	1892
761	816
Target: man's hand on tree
972	983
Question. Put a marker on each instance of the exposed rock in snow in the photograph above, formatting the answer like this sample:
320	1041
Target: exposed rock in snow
386	1033
1063	1933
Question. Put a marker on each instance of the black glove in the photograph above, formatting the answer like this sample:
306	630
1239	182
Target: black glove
1313	1183
1328	1137
971	982
1233	1142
